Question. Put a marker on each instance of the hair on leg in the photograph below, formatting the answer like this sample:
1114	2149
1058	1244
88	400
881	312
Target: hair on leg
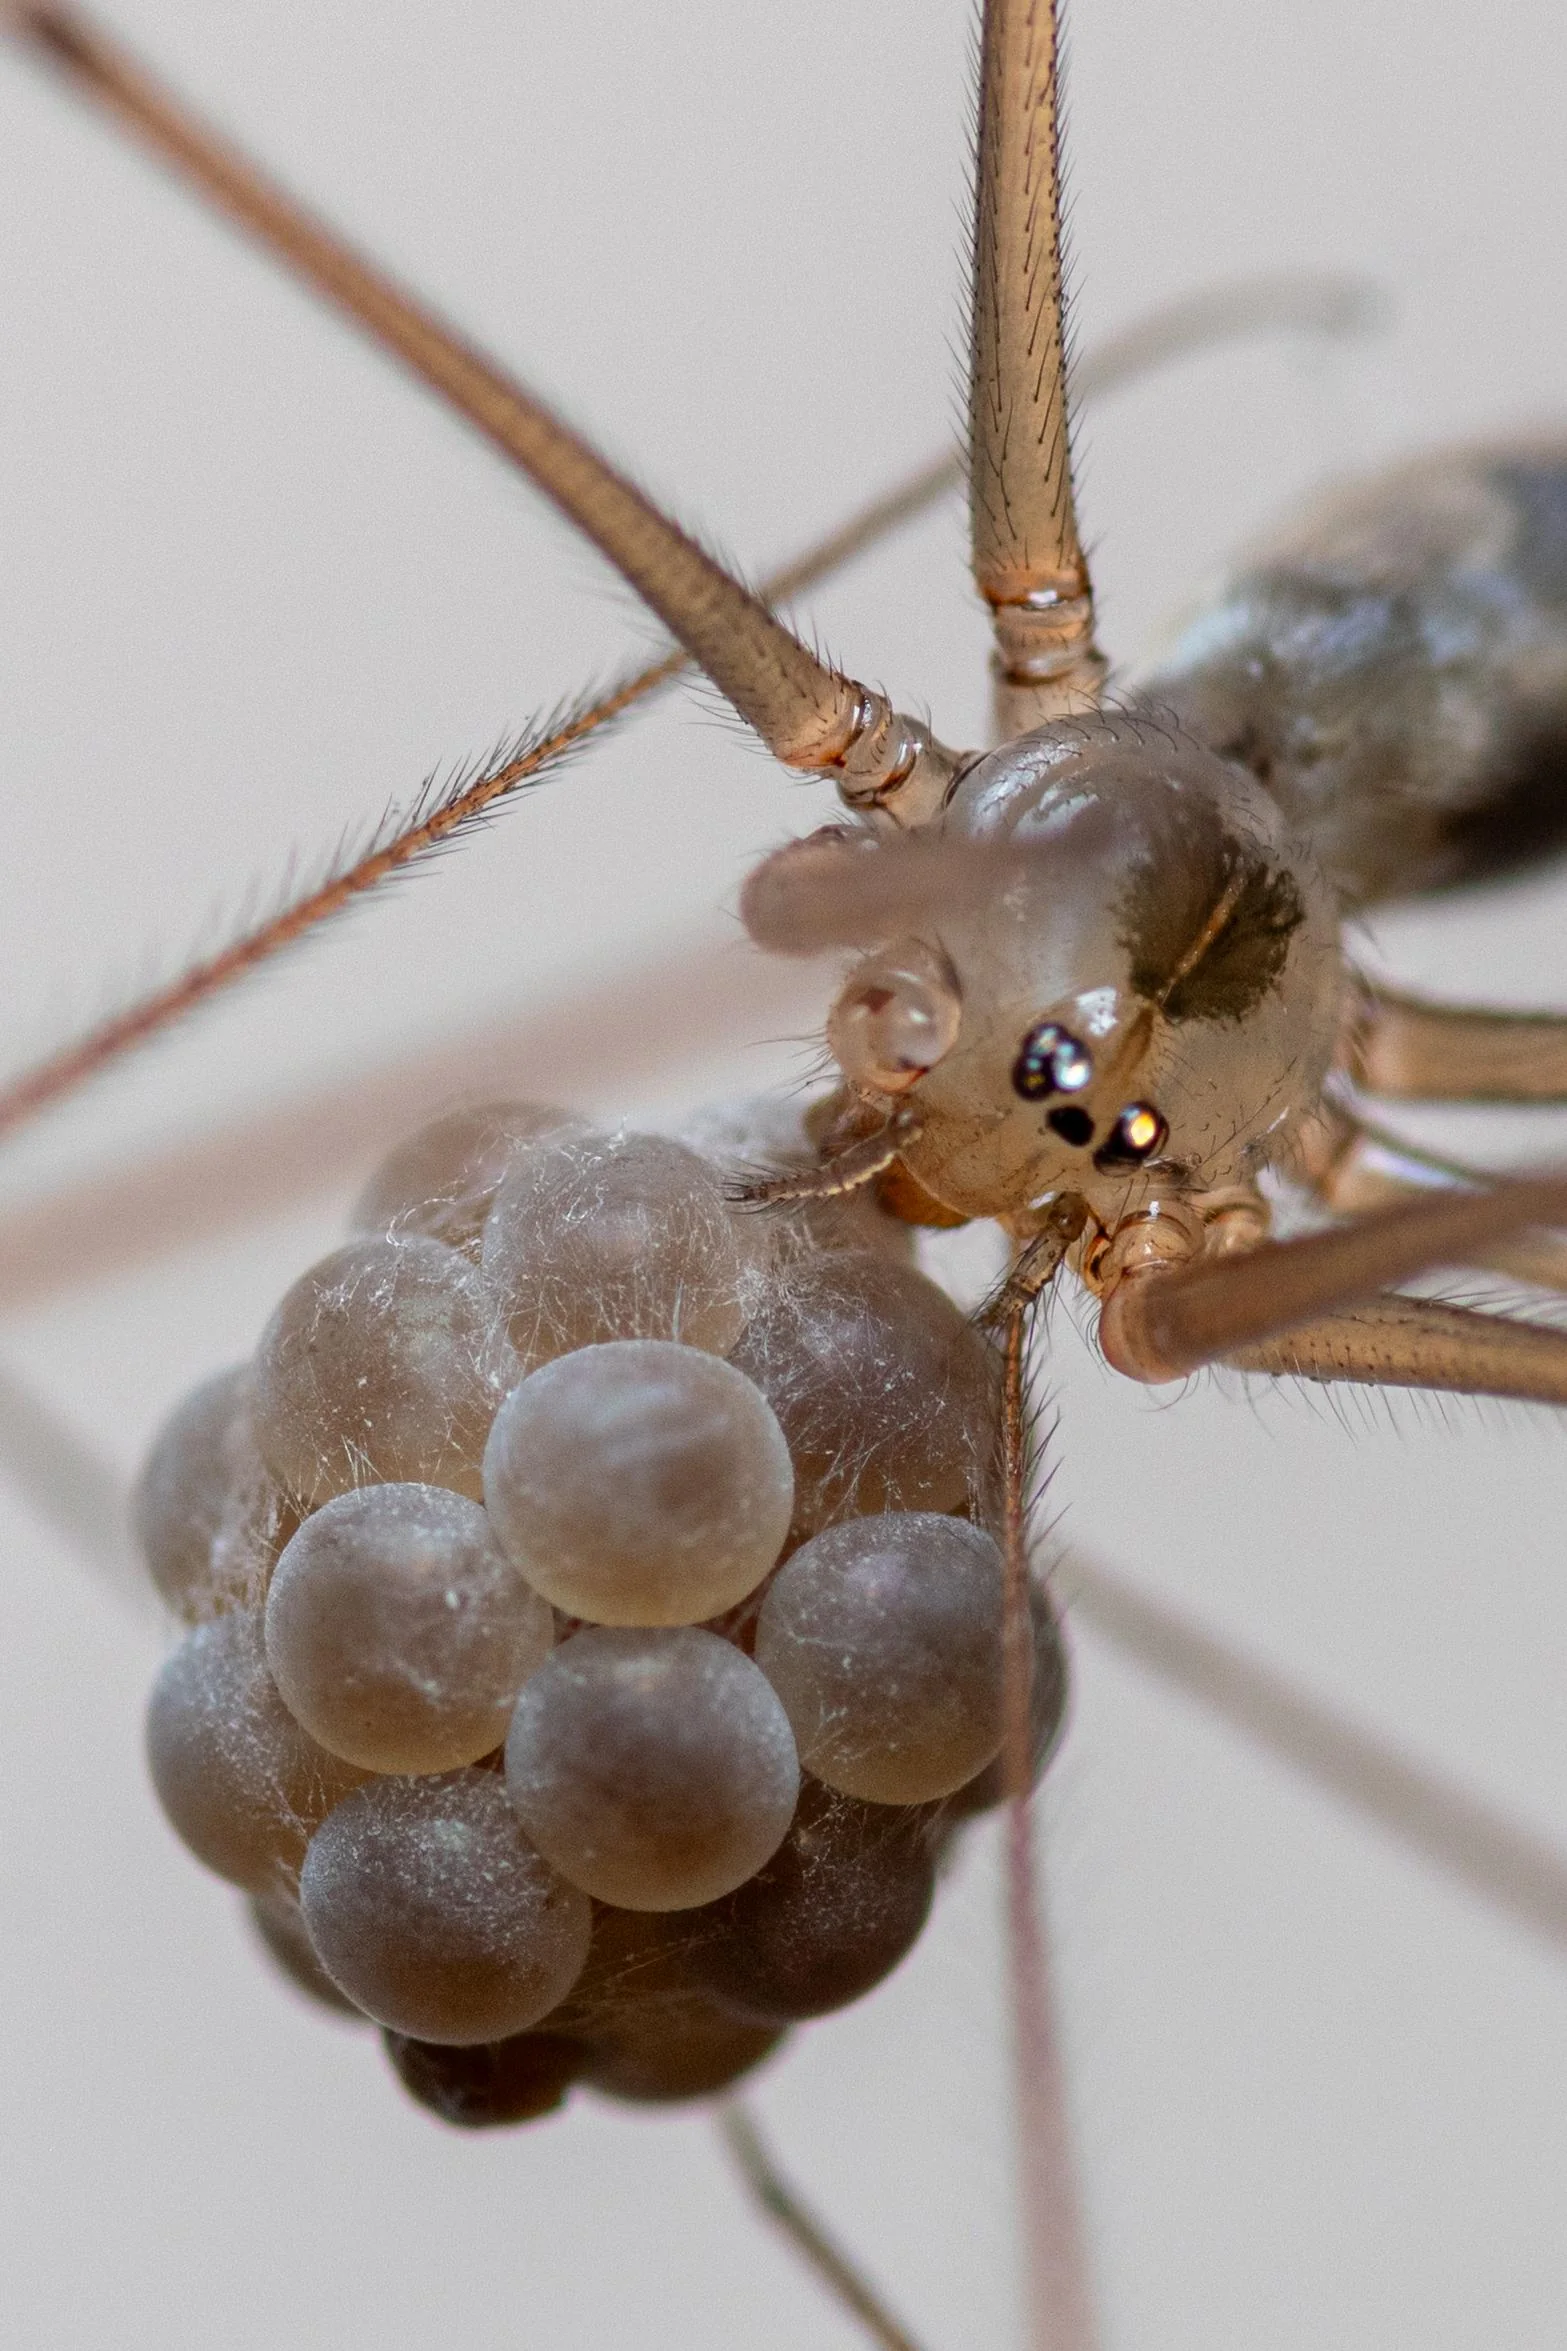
1059	2298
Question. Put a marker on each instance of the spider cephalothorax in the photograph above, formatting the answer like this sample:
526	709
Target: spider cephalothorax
1119	972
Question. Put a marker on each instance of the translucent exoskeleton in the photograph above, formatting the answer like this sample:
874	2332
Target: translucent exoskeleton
1440	1504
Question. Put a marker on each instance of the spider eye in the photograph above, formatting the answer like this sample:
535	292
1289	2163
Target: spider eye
1051	1061
1138	1133
1074	1126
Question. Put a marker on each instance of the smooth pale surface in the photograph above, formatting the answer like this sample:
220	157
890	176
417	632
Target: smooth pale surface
381	1363
616	1237
656	1770
397	1631
207	1513
238	1778
428	1906
442	1181
639	1483
886	1395
883	1638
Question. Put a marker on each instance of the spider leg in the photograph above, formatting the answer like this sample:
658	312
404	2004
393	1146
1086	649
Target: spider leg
809	715
781	2203
1060	2299
1027	555
1455	1832
850	1170
1413	1050
648	1017
1353	1167
60	1474
1397	1342
1306	305
1164	1316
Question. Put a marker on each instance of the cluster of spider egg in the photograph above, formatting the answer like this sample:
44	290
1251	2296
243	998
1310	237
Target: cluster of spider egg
590	1638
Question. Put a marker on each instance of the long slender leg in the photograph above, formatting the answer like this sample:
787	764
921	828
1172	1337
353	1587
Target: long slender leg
1411	1049
80	1494
781	2202
647	1016
1399	1342
1028	557
808	715
1305	305
1163	1318
1353	1168
1060	2303
1457	1833
1299	303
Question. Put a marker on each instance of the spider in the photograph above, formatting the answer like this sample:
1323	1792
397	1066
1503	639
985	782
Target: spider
1467	1502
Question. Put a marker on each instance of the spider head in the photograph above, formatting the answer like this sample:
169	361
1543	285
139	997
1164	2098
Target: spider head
1122	978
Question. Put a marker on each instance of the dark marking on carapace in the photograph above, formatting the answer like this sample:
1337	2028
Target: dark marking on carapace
1173	900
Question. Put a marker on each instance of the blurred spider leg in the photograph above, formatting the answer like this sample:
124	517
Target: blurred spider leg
1353	1167
782	2205
1413	1050
1059	2300
1301	303
1167	1311
1455	1832
1027	556
1304	302
78	1493
809	715
646	1017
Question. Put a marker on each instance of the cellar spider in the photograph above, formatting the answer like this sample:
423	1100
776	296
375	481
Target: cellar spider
1422	1514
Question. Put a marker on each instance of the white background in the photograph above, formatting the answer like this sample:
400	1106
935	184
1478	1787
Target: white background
253	585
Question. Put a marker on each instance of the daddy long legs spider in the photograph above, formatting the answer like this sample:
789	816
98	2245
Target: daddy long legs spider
1404	1588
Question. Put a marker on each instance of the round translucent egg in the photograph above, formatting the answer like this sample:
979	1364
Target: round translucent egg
428	1906
639	1482
381	1364
649	2030
886	1395
1048	1697
442	1181
487	2085
208	1515
883	1639
616	1237
240	1780
399	1633
657	1770
703	2051
830	1915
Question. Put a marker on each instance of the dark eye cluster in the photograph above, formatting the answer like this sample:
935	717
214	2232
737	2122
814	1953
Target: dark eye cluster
1052	1061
